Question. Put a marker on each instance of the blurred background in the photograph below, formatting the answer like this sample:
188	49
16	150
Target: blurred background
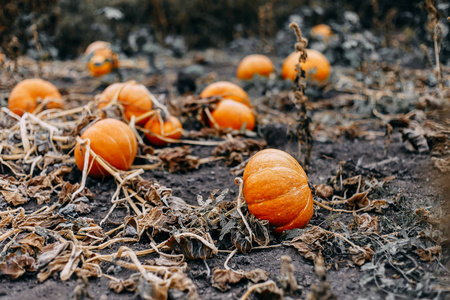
65	27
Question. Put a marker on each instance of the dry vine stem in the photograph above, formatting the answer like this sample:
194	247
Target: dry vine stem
304	122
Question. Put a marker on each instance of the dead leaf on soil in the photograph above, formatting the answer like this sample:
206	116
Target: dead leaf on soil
15	198
442	164
15	266
324	191
365	223
223	278
429	254
179	159
309	242
361	257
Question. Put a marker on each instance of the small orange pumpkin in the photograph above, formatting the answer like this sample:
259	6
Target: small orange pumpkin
135	99
276	189
24	96
254	64
321	30
232	114
172	128
226	89
111	139
317	66
103	59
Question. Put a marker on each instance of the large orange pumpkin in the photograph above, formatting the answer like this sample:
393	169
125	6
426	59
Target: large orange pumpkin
254	64
232	114
321	30
111	139
172	129
276	189
25	94
317	66
226	89
135	99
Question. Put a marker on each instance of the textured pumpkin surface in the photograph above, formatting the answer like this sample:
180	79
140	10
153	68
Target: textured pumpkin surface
321	30
276	189
134	97
111	139
232	114
226	89
317	66
170	129
24	96
254	64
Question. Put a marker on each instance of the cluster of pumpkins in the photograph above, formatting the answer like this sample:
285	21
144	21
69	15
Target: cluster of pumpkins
275	185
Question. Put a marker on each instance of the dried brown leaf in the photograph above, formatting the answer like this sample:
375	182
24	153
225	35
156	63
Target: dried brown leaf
55	266
309	243
15	266
118	286
361	257
179	159
15	198
49	252
442	164
191	247
365	223
234	148
223	278
429	254
324	191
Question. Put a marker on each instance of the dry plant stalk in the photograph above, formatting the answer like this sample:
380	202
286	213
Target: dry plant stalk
322	291
435	29
304	122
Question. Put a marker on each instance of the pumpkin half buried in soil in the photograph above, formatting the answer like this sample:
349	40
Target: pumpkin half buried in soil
25	95
111	139
134	97
317	66
171	129
254	64
226	89
232	114
276	189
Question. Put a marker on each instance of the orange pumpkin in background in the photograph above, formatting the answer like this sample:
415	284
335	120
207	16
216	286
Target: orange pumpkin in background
276	189
111	139
172	129
317	66
232	114
103	60
323	31
254	64
226	89
135	99
25	95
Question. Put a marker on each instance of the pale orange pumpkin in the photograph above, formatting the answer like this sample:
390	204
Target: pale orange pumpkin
25	95
254	64
96	46
226	89
323	31
135	99
276	189
317	66
232	114
111	139
172	129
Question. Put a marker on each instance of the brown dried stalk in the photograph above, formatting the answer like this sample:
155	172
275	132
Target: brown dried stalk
304	122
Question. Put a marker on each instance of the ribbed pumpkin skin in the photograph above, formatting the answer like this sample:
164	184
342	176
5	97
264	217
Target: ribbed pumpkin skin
23	97
226	89
172	129
254	64
276	189
134	97
232	114
111	139
315	61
